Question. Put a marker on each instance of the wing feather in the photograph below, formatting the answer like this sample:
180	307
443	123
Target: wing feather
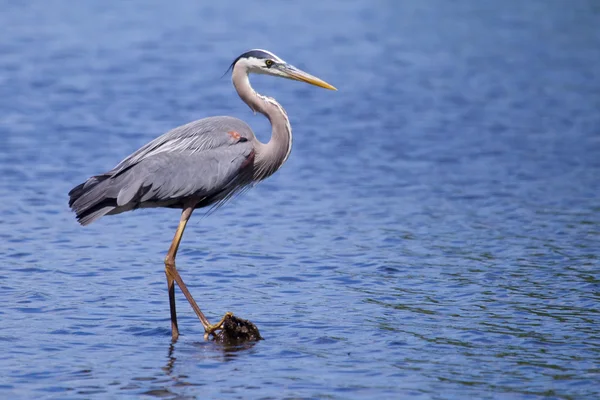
208	159
197	136
164	177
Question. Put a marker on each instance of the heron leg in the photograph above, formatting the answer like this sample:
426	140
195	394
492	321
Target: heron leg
173	276
171	286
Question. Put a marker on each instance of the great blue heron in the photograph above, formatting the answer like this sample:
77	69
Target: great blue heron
196	165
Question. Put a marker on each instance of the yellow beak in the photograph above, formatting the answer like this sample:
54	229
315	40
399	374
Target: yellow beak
298	75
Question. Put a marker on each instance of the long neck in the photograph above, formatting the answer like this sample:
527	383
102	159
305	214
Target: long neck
271	155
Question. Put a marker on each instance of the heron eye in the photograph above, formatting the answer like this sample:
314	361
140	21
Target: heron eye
269	63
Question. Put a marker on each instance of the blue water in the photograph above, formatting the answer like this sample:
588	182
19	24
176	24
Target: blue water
434	234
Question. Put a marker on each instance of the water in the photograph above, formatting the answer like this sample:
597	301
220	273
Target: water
434	234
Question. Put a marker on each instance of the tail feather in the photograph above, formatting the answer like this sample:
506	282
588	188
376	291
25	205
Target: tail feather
90	216
91	200
75	193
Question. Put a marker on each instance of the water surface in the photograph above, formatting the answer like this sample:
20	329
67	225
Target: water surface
434	234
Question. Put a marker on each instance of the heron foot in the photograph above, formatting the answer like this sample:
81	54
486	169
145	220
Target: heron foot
212	328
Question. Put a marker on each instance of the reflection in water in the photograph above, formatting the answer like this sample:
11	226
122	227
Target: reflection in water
168	368
199	351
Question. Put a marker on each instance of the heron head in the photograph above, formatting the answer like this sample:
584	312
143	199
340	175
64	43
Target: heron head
264	62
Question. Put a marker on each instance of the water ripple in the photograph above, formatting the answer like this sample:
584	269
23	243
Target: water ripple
434	233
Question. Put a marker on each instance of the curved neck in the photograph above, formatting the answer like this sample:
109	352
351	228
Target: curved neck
269	156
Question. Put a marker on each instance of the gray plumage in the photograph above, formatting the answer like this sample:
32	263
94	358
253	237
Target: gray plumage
203	162
200	159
